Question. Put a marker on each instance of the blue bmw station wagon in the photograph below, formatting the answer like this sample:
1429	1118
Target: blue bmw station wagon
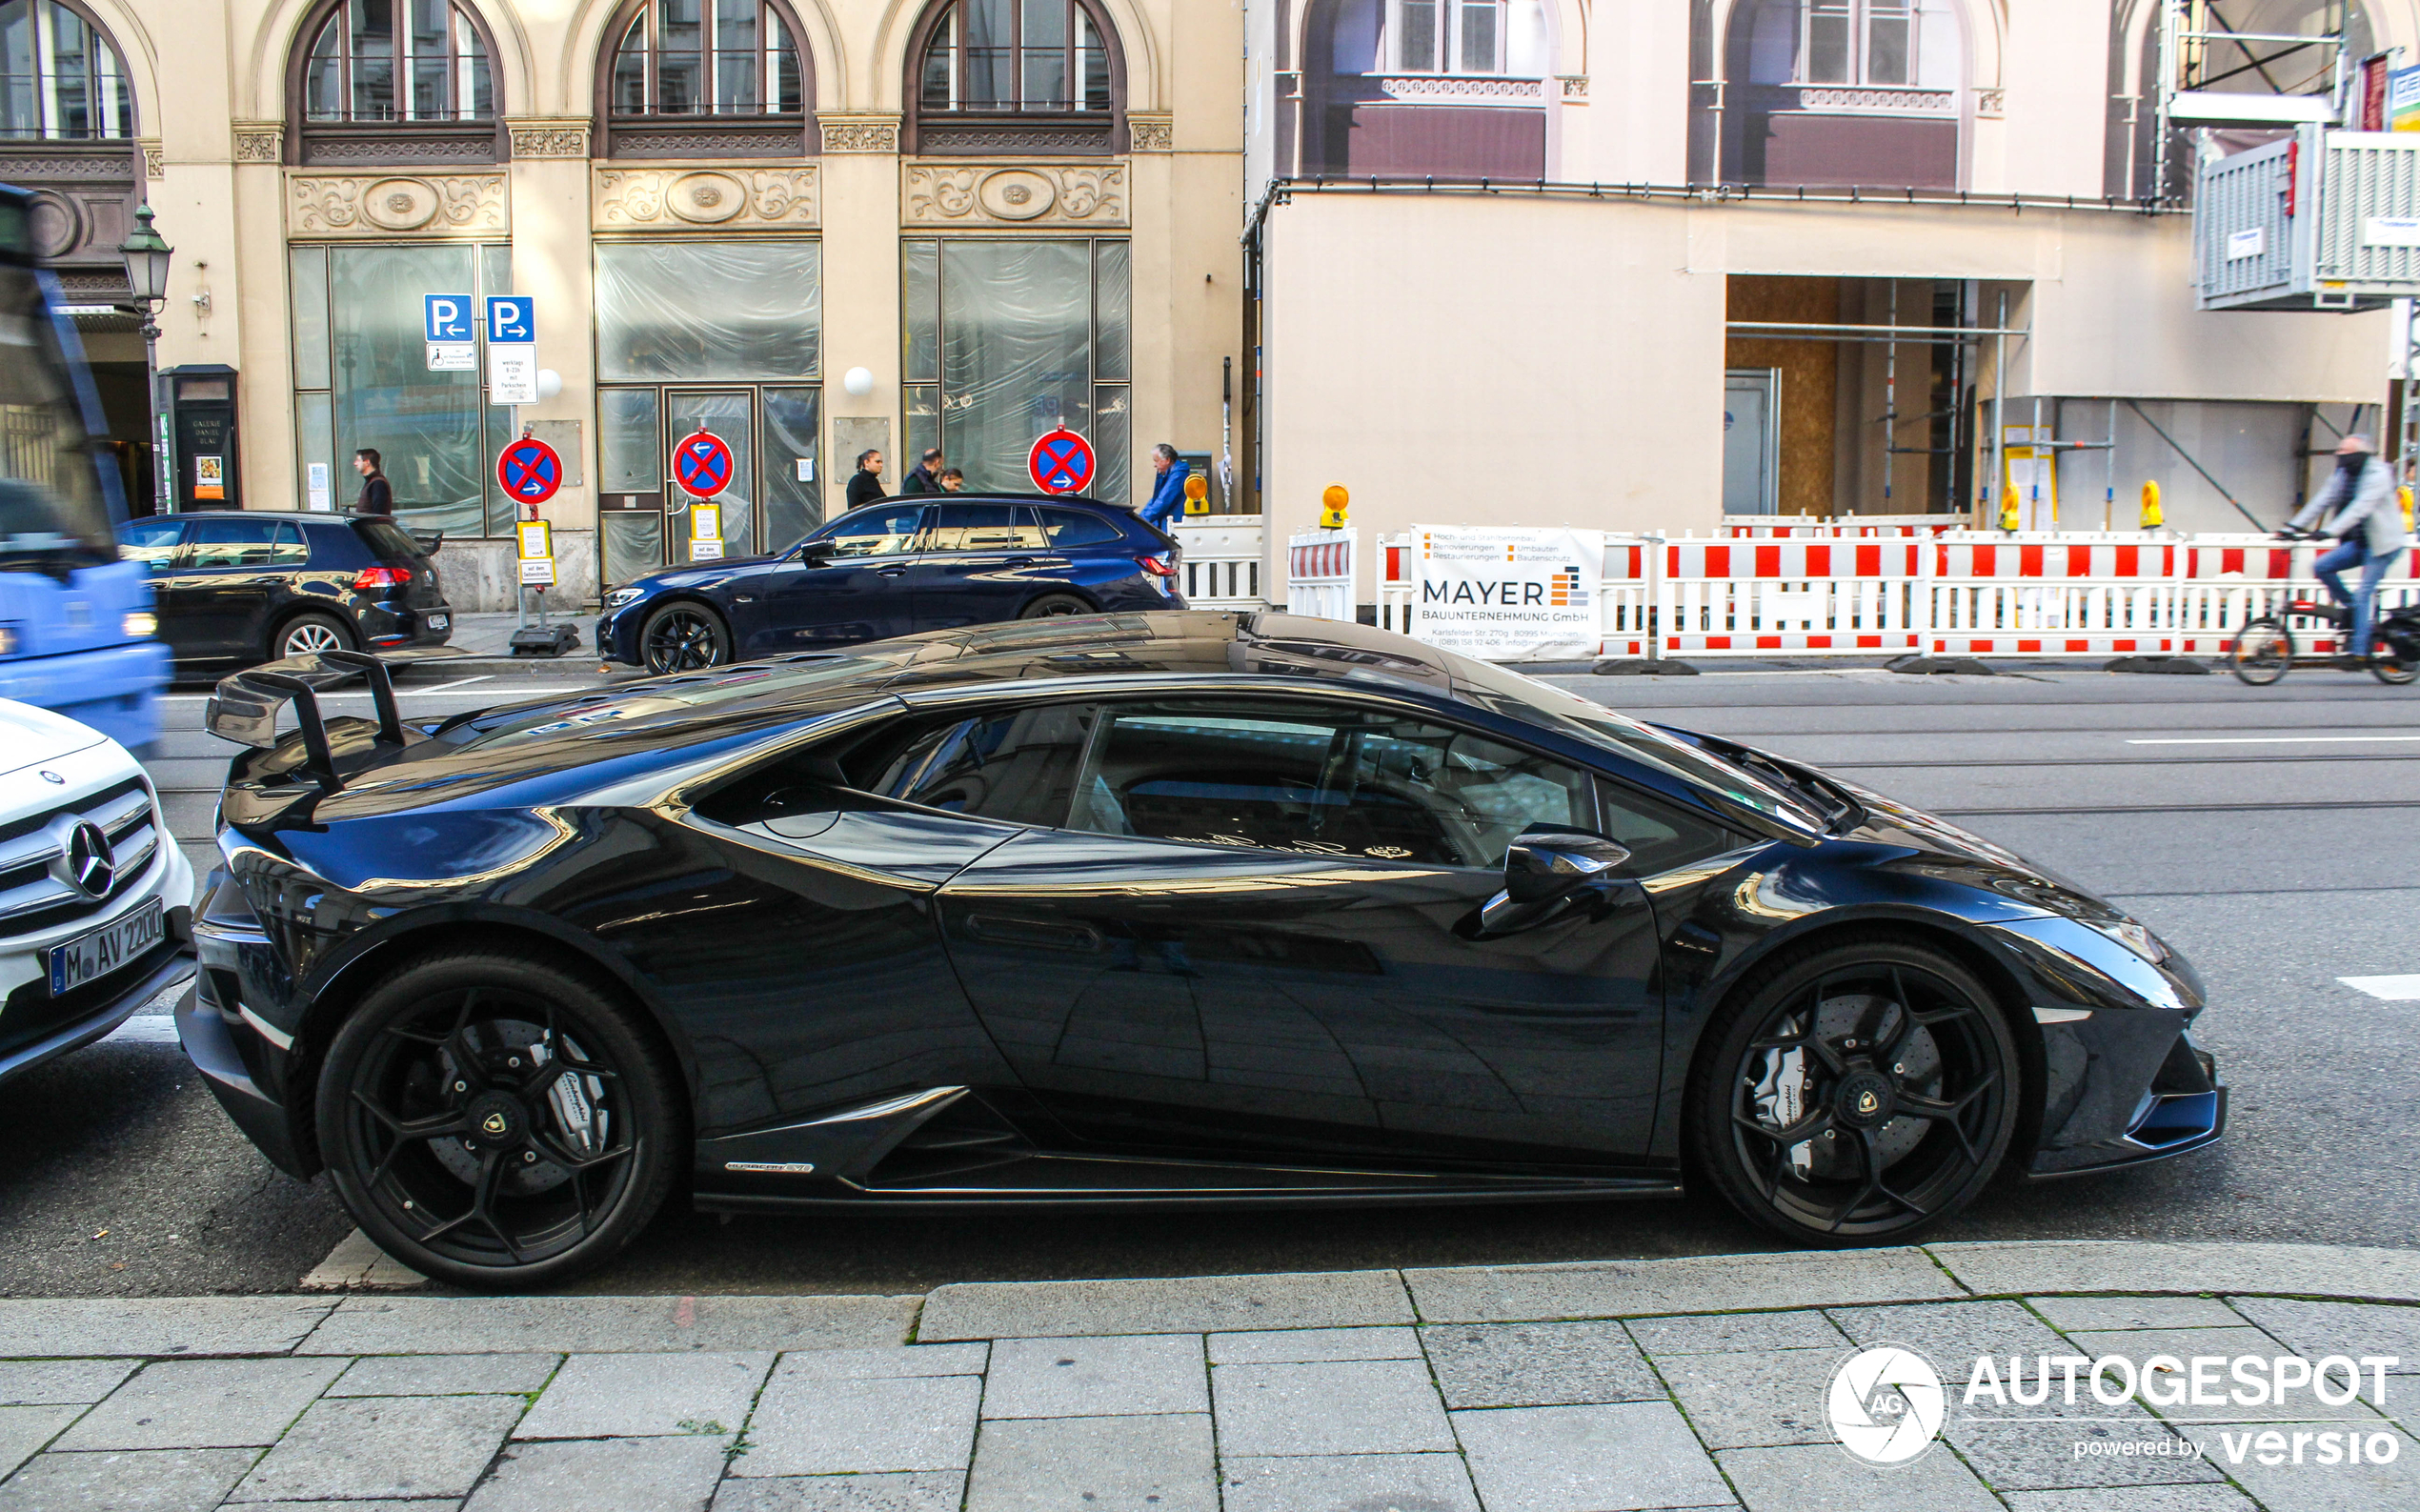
909	564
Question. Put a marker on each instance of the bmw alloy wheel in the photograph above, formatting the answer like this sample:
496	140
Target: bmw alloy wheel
681	639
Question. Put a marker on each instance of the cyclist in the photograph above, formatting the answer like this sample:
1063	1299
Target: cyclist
2358	503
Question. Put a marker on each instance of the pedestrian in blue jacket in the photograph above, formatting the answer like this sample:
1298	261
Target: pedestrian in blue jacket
1167	503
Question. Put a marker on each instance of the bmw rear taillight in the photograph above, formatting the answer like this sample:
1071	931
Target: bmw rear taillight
1156	566
375	578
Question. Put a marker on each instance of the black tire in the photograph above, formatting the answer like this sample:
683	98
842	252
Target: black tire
489	1179
309	631
1055	606
683	636
1900	1118
2394	674
2262	651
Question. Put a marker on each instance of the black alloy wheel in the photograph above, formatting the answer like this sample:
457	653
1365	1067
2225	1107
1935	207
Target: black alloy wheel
1055	606
308	632
496	1123
1855	1093
683	637
2261	652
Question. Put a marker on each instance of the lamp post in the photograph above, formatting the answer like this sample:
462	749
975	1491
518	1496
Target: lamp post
146	258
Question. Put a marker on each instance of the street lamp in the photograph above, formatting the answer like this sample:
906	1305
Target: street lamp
146	258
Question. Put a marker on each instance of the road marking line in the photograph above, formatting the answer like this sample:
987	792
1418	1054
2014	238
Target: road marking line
443	686
2392	989
2279	739
145	1029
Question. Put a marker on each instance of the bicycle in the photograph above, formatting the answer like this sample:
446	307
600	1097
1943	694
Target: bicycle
2264	649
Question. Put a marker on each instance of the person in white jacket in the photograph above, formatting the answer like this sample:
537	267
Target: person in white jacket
2359	505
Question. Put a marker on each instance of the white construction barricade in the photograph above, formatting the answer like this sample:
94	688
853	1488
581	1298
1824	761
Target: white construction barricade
1959	593
1222	562
1320	573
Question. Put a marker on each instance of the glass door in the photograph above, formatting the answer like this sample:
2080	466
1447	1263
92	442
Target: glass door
730	416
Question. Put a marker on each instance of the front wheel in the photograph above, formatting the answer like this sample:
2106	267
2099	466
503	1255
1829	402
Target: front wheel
683	637
2261	652
496	1123
1855	1095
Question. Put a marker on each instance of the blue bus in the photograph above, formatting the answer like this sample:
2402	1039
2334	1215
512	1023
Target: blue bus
75	623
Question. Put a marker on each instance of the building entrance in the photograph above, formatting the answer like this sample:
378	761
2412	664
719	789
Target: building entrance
775	470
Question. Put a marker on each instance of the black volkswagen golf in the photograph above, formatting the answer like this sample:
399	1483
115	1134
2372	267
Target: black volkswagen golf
1172	908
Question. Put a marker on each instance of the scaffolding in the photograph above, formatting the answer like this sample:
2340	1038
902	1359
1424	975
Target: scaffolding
2307	76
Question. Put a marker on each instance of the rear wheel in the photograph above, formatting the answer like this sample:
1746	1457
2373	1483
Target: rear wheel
1055	606
2261	652
1855	1093
683	637
496	1123
2395	673
309	633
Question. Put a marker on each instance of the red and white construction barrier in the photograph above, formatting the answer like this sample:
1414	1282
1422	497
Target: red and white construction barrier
1955	593
1320	573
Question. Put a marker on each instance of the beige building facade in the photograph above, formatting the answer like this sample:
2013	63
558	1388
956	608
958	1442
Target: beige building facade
1009	214
1629	264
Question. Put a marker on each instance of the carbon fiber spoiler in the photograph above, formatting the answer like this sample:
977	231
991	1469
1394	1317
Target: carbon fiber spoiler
245	706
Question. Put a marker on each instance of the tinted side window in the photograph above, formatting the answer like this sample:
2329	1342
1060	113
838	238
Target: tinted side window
1074	528
388	539
151	543
983	528
1660	836
1018	767
885	530
1335	781
246	543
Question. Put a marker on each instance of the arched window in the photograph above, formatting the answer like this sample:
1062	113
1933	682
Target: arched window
1834	93
1426	88
675	65
388	81
1030	76
64	79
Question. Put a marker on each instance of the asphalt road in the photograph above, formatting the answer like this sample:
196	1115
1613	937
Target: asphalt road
2265	831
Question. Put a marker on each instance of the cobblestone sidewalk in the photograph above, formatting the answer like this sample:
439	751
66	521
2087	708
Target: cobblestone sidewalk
1567	1388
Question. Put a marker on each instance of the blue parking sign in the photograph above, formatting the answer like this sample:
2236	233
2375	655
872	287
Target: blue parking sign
511	319
446	316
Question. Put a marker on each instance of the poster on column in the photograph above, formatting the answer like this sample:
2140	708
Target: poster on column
1507	593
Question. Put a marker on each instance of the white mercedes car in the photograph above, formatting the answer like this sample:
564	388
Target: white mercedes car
96	914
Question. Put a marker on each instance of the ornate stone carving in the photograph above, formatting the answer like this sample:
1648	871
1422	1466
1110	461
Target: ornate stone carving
732	197
374	204
1897	102
859	133
931	138
1435	85
548	137
1151	133
1013	194
155	158
1575	86
1990	101
259	141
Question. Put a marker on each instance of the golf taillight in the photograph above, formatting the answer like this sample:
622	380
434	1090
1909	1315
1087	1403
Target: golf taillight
1156	566
381	577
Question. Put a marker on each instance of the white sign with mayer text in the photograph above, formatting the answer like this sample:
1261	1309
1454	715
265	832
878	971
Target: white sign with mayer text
1508	592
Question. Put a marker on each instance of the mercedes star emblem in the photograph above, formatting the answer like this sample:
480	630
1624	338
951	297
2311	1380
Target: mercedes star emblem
91	865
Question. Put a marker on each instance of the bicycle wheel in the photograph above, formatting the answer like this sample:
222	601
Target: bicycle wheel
2394	674
2261	652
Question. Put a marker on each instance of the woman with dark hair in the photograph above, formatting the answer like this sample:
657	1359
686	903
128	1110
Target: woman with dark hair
866	487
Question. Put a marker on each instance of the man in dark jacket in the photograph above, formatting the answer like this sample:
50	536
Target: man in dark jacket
925	477
866	488
377	495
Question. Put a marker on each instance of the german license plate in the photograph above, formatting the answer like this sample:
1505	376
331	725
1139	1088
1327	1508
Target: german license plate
440	621
87	958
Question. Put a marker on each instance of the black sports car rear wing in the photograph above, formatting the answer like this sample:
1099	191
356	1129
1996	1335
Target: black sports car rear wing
245	706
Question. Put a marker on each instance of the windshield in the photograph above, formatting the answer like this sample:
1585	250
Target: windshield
51	510
1543	703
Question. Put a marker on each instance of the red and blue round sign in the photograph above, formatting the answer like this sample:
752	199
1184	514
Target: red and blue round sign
701	465
1062	462
529	471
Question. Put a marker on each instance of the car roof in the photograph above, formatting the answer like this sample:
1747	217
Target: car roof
320	516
